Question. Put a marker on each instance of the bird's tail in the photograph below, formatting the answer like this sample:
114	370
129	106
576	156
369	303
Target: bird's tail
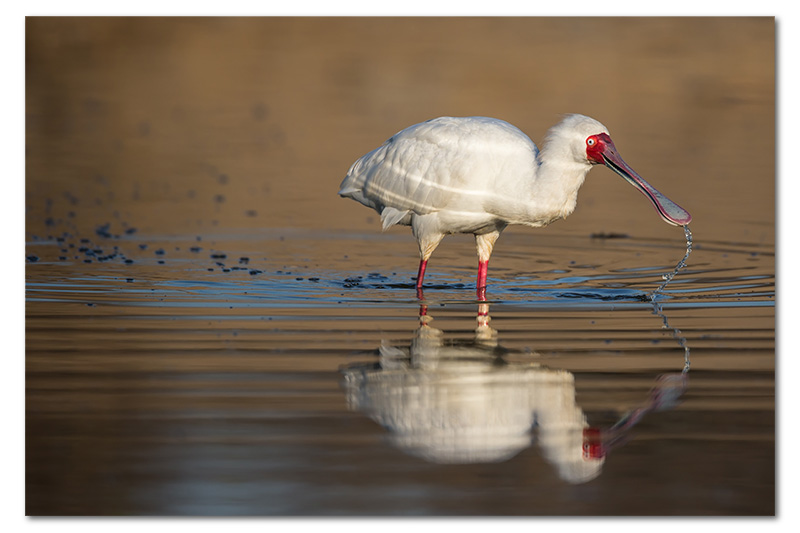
353	182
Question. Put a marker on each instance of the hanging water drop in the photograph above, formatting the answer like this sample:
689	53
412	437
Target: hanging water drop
668	277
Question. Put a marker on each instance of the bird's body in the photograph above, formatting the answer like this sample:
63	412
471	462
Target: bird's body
478	175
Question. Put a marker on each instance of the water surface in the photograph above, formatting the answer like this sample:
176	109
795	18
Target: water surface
292	387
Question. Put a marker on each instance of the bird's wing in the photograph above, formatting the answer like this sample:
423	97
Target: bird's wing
436	165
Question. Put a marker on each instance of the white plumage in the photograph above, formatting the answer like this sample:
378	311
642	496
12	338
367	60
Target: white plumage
478	175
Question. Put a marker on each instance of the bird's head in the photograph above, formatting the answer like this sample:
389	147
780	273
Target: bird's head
591	144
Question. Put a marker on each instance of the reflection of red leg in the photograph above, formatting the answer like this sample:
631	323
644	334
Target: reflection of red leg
483	267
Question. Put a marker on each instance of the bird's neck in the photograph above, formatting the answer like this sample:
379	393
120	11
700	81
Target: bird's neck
554	191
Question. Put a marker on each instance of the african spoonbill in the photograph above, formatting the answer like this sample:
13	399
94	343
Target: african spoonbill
478	175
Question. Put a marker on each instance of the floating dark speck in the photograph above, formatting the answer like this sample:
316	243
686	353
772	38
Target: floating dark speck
143	247
130	231
102	231
32	258
160	251
129	280
609	235
195	249
244	260
219	256
255	271
128	261
251	213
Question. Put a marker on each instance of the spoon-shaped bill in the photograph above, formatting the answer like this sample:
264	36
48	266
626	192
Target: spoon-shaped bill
671	212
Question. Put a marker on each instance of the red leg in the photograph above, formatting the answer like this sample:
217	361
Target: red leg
483	267
420	275
421	272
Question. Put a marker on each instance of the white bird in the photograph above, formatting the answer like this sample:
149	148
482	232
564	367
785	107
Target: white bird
478	175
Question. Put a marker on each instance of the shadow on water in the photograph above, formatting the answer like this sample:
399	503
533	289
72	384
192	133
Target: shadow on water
460	402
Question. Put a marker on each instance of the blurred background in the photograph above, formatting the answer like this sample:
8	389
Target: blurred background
178	124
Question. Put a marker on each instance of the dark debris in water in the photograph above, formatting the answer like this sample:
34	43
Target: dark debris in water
102	231
353	281
609	235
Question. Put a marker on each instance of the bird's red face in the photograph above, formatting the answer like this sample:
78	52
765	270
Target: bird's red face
600	150
596	145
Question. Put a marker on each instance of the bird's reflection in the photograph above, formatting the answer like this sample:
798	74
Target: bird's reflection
463	402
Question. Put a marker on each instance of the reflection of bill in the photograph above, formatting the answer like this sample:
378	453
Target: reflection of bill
462	402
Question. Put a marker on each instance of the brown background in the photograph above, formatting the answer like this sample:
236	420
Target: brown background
154	118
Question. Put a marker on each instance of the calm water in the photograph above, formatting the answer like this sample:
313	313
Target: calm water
210	330
186	382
